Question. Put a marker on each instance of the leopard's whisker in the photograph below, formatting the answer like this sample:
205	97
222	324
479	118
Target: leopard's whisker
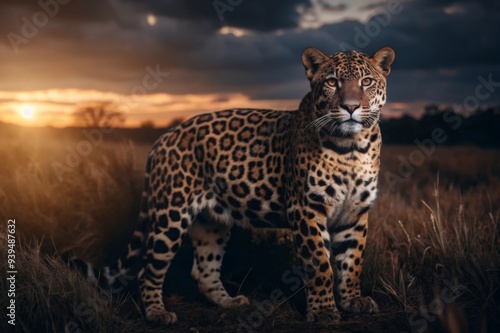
333	127
318	120
323	123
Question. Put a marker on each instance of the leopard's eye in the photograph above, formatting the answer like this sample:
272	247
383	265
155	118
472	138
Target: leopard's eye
332	82
366	81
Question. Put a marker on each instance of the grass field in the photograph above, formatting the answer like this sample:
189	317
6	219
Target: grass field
433	259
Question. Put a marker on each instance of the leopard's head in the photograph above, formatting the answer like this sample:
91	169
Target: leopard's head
348	89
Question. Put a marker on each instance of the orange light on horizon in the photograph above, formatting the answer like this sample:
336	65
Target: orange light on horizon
55	107
27	111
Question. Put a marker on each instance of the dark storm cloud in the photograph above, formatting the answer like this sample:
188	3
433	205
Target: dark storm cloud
440	50
439	54
429	38
422	40
258	15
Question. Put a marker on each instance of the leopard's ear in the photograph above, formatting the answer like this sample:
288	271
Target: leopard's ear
312	58
383	59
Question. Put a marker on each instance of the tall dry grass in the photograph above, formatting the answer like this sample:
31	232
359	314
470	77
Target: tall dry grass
436	232
94	204
78	213
52	298
439	226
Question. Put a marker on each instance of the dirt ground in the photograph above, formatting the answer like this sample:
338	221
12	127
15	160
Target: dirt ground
271	283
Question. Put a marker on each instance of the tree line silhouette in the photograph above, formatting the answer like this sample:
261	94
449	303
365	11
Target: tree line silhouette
478	128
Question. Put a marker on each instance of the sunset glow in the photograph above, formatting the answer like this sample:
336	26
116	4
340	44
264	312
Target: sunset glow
55	107
175	60
27	111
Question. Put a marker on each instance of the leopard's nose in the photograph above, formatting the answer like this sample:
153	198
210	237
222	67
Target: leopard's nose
350	107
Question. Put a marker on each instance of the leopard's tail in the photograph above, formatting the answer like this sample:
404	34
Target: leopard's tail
117	274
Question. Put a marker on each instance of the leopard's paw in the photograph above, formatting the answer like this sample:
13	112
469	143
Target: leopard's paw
360	305
161	316
234	302
329	315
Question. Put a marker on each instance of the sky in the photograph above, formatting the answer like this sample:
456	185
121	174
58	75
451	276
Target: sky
160	59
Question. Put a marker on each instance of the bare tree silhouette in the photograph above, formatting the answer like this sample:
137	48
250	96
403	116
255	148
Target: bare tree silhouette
99	114
147	124
175	122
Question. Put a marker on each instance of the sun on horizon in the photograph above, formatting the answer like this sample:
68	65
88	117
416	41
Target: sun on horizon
27	111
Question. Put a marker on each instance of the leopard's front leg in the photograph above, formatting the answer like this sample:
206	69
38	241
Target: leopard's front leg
348	246
312	244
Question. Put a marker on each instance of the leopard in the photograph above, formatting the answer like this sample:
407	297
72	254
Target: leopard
313	171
